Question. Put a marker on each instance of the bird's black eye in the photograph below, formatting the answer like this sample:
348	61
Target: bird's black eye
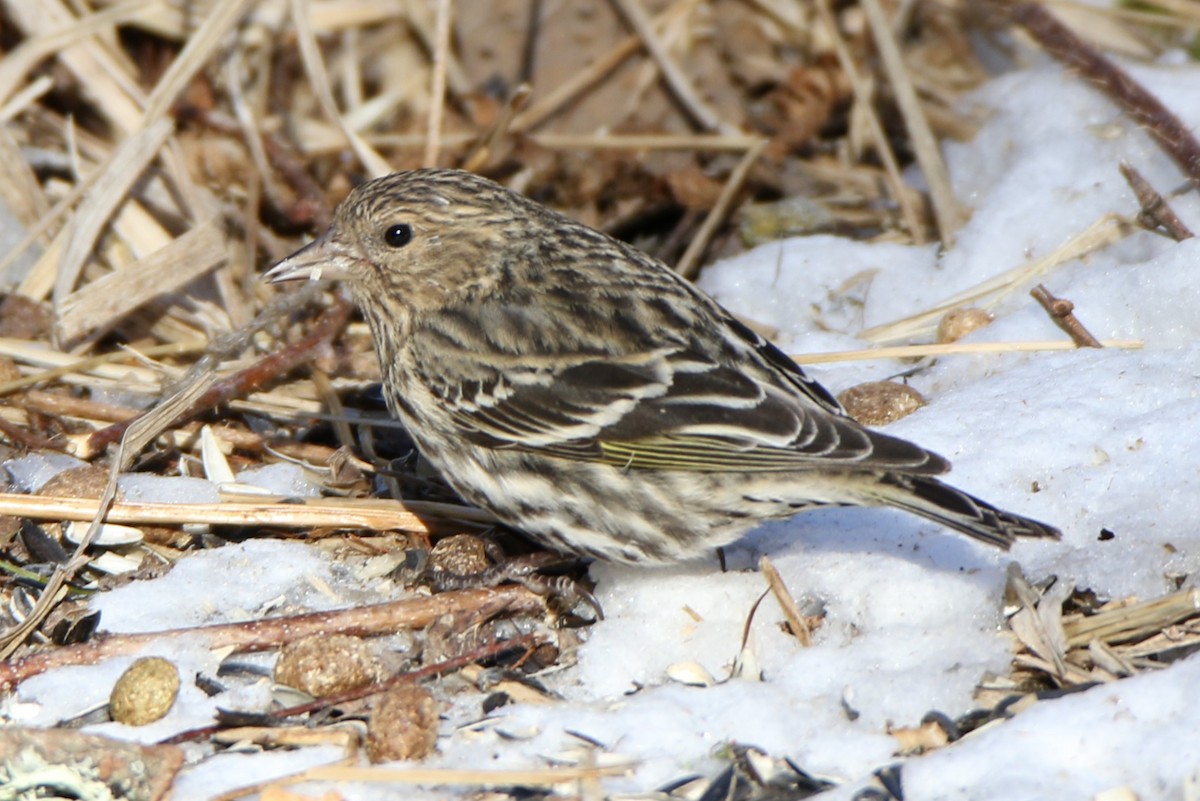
397	236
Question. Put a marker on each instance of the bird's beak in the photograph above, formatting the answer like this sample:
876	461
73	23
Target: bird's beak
324	257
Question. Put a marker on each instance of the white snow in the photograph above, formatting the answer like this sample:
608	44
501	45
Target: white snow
150	488
913	612
29	473
281	478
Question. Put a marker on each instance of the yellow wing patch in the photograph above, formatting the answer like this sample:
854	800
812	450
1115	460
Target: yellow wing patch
700	456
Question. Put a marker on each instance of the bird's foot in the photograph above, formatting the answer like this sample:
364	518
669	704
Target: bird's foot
465	561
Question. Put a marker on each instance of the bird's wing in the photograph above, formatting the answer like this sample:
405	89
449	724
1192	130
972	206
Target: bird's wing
736	405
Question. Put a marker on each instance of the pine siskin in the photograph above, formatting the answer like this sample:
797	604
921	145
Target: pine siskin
590	397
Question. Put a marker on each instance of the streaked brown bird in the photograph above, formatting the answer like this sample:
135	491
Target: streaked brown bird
590	397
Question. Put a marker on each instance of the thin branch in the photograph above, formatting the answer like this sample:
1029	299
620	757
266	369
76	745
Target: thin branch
945	205
246	381
791	610
952	349
1155	212
681	86
862	94
1062	312
314	66
437	88
331	513
260	635
1172	135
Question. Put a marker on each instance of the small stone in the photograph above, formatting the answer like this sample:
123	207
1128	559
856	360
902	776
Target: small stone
878	403
404	725
460	555
326	665
145	692
957	323
88	481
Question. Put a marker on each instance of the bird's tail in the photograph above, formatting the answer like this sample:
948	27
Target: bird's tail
955	509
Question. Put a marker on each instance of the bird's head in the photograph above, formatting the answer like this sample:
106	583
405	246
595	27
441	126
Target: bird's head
422	238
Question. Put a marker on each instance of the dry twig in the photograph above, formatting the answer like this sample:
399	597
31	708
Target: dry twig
1155	212
260	635
1062	312
330	513
945	205
437	88
801	630
1131	97
681	85
936	350
267	369
568	90
862	94
689	264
